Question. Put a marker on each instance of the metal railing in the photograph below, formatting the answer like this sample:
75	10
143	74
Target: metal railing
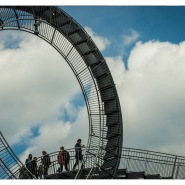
133	160
39	172
151	162
9	162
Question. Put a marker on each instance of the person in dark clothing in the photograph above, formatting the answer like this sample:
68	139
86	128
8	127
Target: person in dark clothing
34	167
78	151
29	165
45	162
28	162
40	171
66	158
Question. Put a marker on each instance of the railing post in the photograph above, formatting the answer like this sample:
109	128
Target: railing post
128	160
146	164
173	170
177	171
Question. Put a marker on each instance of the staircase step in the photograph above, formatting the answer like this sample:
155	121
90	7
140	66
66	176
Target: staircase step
154	176
84	173
63	175
166	178
121	174
120	177
135	175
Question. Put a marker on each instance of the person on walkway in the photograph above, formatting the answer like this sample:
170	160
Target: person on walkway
29	165
40	171
78	151
45	162
28	162
34	167
66	158
60	160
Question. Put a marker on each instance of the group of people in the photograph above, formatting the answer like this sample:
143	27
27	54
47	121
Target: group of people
42	169
63	159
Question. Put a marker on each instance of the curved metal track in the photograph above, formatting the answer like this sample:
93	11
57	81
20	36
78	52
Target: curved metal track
88	65
10	165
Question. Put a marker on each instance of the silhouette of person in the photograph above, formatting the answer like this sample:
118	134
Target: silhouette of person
66	158
34	167
28	162
29	165
45	162
40	171
78	151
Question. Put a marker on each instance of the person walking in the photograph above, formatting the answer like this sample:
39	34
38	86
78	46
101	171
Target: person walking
45	162
34	167
78	151
40	171
29	165
66	158
28	162
60	160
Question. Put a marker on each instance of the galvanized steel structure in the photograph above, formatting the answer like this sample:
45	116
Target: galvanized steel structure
88	65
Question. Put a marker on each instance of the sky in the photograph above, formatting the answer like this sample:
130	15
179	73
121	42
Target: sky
144	47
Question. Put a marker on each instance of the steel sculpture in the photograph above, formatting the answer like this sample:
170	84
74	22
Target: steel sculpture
88	65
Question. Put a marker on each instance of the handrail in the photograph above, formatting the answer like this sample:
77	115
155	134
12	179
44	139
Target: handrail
151	151
10	163
54	166
151	162
167	165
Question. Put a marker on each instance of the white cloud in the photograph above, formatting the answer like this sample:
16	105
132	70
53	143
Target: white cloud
152	96
117	69
130	38
100	41
34	92
55	134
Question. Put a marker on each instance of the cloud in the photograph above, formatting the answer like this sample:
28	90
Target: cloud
117	68
34	94
130	38
152	96
52	135
100	41
37	105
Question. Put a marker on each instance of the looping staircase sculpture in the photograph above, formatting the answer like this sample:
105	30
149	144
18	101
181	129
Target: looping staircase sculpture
104	156
63	33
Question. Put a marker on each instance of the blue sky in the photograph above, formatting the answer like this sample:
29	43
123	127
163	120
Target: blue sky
163	23
144	49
